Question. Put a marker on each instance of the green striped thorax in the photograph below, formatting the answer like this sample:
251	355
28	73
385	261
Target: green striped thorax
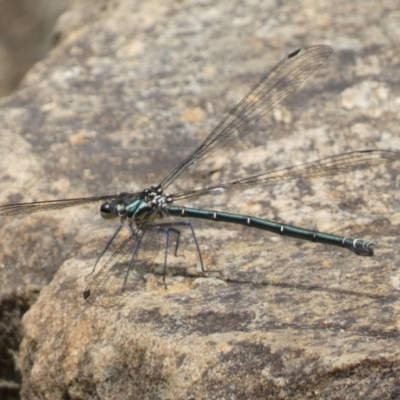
146	206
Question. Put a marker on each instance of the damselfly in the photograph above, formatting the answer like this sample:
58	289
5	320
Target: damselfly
140	212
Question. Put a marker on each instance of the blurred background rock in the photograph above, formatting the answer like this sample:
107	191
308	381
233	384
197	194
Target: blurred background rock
25	37
29	29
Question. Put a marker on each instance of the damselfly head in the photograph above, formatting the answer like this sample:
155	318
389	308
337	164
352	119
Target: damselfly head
108	211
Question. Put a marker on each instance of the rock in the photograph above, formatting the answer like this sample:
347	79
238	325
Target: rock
122	99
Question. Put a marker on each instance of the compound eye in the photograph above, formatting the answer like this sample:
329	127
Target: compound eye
106	211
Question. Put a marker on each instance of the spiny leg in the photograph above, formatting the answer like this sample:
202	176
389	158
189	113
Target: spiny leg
133	258
108	244
105	249
166	228
184	223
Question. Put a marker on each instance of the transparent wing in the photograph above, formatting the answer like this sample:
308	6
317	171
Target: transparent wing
37	206
273	88
124	270
330	166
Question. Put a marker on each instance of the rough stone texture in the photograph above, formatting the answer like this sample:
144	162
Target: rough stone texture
118	103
